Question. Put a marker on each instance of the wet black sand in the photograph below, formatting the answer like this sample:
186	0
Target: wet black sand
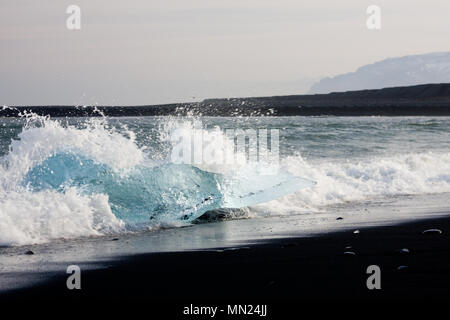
287	274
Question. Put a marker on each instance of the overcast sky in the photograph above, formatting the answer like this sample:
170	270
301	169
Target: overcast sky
158	51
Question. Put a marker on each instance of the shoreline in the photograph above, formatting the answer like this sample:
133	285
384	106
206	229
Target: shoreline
419	100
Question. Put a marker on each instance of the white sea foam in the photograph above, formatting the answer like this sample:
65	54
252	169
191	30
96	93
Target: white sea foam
339	182
35	217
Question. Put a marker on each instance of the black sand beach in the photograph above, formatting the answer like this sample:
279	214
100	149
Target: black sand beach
286	274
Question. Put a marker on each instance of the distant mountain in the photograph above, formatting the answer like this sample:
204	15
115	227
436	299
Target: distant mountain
393	72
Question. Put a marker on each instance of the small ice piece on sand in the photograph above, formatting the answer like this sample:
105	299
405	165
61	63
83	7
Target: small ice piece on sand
349	253
432	231
356	232
404	250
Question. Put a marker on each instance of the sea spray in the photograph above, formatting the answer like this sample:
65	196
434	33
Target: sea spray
350	160
64	181
34	216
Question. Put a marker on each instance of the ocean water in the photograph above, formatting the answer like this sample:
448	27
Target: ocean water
72	178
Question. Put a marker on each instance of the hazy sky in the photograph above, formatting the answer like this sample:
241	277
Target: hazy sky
158	51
